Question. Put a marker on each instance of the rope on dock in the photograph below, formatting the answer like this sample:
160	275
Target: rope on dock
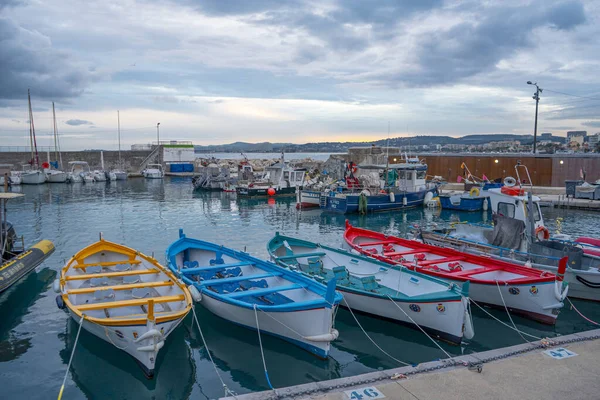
227	390
580	314
261	349
507	312
372	341
421	329
62	388
502	322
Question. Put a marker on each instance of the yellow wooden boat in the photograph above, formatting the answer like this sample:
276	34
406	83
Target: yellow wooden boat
125	298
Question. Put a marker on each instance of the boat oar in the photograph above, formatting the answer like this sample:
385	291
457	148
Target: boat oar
62	388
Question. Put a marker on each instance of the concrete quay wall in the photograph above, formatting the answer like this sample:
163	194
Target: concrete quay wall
131	159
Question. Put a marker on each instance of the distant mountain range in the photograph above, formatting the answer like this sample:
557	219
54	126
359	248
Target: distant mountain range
267	147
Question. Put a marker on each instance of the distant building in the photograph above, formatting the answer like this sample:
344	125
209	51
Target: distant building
594	139
141	147
571	135
546	136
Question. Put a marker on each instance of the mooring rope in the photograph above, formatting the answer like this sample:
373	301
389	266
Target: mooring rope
261	349
580	314
227	390
62	388
372	341
502	322
418	326
507	312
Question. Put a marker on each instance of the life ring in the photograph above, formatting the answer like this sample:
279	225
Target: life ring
474	192
544	231
510	181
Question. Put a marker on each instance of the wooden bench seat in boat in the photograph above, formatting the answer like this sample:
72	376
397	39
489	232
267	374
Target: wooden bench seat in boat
107	264
262	292
468	272
294	256
440	261
404	253
129	303
192	271
240	278
111	274
390	241
120	287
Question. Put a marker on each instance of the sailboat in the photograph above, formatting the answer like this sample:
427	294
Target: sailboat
55	175
32	175
119	174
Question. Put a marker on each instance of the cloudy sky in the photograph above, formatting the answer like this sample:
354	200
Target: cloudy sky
219	71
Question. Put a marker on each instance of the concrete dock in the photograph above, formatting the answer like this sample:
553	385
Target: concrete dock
566	368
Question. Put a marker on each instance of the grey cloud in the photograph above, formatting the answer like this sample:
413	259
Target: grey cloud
308	53
11	3
241	7
566	15
77	122
30	61
592	124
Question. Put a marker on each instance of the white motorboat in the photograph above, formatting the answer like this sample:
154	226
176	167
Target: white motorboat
55	176
118	174
153	171
80	172
99	176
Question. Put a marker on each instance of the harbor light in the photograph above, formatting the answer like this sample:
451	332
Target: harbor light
496	161
395	159
561	162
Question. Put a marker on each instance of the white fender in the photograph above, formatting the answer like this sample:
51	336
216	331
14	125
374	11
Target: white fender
196	295
326	337
428	198
558	292
149	334
392	197
152	347
56	286
469	330
485	204
404	201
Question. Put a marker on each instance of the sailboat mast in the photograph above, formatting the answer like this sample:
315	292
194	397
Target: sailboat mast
30	124
32	127
119	129
54	123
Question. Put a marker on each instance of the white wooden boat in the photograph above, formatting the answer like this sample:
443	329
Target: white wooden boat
128	299
243	289
390	292
153	171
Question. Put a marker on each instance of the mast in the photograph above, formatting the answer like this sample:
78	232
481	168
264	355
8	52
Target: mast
119	130
55	142
30	125
32	132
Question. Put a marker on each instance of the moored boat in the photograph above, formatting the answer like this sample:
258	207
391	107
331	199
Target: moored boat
80	172
279	179
469	201
243	289
153	171
376	288
529	292
125	298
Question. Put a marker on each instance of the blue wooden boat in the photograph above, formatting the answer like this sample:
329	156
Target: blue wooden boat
240	288
462	202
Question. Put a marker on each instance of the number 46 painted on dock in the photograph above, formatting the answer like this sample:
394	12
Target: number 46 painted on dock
560	352
366	393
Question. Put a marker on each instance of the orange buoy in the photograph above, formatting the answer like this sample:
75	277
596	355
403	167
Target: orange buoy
271	192
45	165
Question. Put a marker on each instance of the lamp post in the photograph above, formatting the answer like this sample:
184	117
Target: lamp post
158	140
536	97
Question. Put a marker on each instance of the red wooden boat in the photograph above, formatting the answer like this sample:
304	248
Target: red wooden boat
526	291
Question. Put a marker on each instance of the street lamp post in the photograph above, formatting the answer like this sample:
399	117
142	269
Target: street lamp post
158	140
536	97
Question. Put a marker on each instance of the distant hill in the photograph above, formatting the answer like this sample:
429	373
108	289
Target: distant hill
425	140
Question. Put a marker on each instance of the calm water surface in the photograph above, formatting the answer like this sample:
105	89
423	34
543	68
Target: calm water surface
36	338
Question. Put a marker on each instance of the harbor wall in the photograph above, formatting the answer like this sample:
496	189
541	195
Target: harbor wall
545	169
131	159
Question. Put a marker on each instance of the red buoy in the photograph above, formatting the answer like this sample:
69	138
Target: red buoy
271	192
45	165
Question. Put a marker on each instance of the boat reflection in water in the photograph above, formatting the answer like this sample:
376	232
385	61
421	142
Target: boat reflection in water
102	371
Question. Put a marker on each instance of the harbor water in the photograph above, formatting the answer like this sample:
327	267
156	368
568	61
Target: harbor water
36	338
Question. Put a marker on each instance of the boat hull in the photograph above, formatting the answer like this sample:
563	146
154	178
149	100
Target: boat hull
376	203
56	177
443	320
33	178
262	191
308	323
20	265
309	199
120	175
465	204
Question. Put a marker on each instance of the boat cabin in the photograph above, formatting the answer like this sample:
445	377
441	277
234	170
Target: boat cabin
79	166
515	205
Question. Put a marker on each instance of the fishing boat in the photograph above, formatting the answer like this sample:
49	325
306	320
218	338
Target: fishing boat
125	297
391	292
153	171
53	174
32	173
258	294
529	292
118	174
80	172
279	179
471	201
17	261
515	209
384	187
